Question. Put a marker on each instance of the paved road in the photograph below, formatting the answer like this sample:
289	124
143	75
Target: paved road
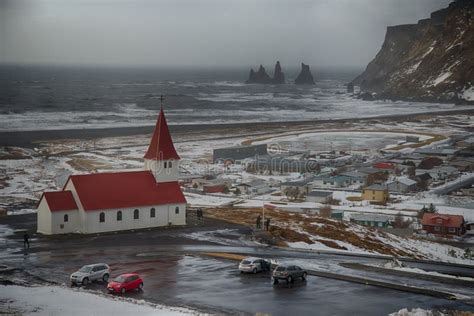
175	274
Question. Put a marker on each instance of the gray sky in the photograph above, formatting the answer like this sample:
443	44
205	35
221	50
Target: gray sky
201	32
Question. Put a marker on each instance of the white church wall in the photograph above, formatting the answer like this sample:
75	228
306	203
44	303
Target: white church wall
60	226
44	218
163	215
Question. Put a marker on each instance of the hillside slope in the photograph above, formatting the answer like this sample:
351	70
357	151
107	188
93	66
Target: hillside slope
432	60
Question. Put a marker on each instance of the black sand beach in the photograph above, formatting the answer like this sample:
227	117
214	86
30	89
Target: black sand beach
29	138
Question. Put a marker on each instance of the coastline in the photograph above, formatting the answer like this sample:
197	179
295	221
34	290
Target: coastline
29	138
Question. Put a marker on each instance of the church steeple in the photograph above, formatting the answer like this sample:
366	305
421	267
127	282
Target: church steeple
161	157
161	145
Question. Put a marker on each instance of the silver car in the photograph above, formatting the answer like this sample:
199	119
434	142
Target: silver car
254	265
91	272
288	273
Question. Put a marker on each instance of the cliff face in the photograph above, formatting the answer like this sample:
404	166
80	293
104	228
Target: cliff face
432	60
278	75
260	76
305	76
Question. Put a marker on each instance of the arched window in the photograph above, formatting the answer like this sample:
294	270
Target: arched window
170	164
102	217
176	210
136	214
166	164
66	218
119	215
152	212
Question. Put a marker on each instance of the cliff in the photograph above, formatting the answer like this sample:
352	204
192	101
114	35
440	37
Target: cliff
305	76
260	76
432	60
278	75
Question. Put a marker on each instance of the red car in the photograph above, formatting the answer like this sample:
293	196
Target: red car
125	282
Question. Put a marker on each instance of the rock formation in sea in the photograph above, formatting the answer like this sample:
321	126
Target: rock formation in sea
432	60
260	76
278	76
305	76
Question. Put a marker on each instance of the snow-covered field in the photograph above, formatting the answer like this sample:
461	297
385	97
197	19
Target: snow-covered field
56	300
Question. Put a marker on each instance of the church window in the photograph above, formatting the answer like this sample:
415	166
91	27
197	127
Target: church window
152	212
119	215
166	164
102	217
66	218
170	165
176	210
136	214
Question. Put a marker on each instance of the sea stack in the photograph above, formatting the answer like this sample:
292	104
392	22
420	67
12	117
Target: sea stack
305	76
278	75
260	76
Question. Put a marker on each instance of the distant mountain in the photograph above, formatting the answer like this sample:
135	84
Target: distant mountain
432	60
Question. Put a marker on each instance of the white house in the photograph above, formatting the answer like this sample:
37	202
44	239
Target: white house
104	202
401	185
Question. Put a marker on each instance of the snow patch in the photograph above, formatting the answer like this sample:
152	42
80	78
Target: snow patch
56	300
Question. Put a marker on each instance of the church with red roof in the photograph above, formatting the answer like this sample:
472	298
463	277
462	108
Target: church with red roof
114	201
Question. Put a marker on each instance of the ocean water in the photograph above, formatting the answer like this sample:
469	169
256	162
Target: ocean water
41	98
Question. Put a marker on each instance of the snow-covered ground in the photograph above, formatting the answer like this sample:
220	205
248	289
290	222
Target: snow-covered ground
56	300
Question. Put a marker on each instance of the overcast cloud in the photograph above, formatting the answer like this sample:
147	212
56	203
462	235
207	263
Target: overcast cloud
201	32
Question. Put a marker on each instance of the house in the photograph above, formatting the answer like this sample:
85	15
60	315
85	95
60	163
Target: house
372	220
384	166
442	151
423	177
443	224
355	177
303	186
255	186
114	201
337	214
443	173
326	181
319	196
211	185
376	193
401	185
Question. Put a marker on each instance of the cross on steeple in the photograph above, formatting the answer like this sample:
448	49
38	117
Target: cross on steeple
161	101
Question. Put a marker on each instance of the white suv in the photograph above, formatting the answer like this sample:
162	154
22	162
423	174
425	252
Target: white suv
254	265
91	272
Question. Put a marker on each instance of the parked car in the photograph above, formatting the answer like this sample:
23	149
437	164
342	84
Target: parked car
254	265
91	272
288	273
125	282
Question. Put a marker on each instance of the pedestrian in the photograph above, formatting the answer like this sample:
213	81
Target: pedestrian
267	224
26	241
200	214
259	222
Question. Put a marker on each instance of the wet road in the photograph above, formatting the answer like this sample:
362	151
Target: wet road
216	286
175	274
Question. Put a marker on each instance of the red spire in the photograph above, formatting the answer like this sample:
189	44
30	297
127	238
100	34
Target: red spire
161	146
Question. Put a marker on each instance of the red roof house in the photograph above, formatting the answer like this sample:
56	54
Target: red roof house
443	224
384	165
